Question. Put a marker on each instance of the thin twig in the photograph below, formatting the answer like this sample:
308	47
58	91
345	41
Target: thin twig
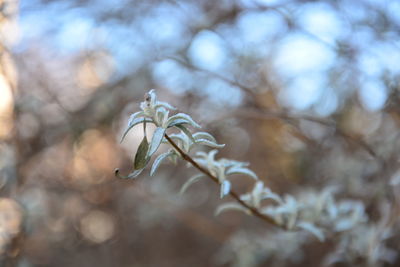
233	194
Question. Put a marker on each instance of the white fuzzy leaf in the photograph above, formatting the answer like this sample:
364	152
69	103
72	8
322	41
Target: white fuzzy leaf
158	161
209	143
135	116
156	141
189	182
185	131
225	188
312	229
241	170
183	118
164	104
177	122
231	206
211	157
204	135
133	123
268	194
161	116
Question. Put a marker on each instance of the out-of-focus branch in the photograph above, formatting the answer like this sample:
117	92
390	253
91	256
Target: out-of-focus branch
233	194
260	111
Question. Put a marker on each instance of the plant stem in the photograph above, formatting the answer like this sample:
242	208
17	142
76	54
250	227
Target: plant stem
233	194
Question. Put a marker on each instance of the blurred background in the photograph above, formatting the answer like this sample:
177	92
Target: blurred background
308	92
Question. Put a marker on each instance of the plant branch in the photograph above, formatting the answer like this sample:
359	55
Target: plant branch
233	194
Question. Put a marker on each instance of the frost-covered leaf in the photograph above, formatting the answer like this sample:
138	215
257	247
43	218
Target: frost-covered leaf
241	170
268	194
258	194
164	104
204	135
202	155
209	143
225	188
156	141
134	116
184	142
189	182
133	123
141	154
229	163
185	131
312	229
158	161
161	116
132	175
182	117
177	122
211	157
231	206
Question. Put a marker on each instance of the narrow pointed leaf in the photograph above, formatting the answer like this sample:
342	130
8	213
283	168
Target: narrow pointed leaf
158	161
185	131
204	135
312	229
141	154
209	143
189	182
241	170
202	154
165	105
156	141
182	117
225	188
134	116
176	122
133	123
132	175
271	195
231	206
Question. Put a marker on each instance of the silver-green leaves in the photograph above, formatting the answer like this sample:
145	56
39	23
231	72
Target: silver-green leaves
286	212
156	140
222	168
313	213
191	181
258	194
225	188
234	206
317	232
158	113
181	118
133	121
158	161
141	157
